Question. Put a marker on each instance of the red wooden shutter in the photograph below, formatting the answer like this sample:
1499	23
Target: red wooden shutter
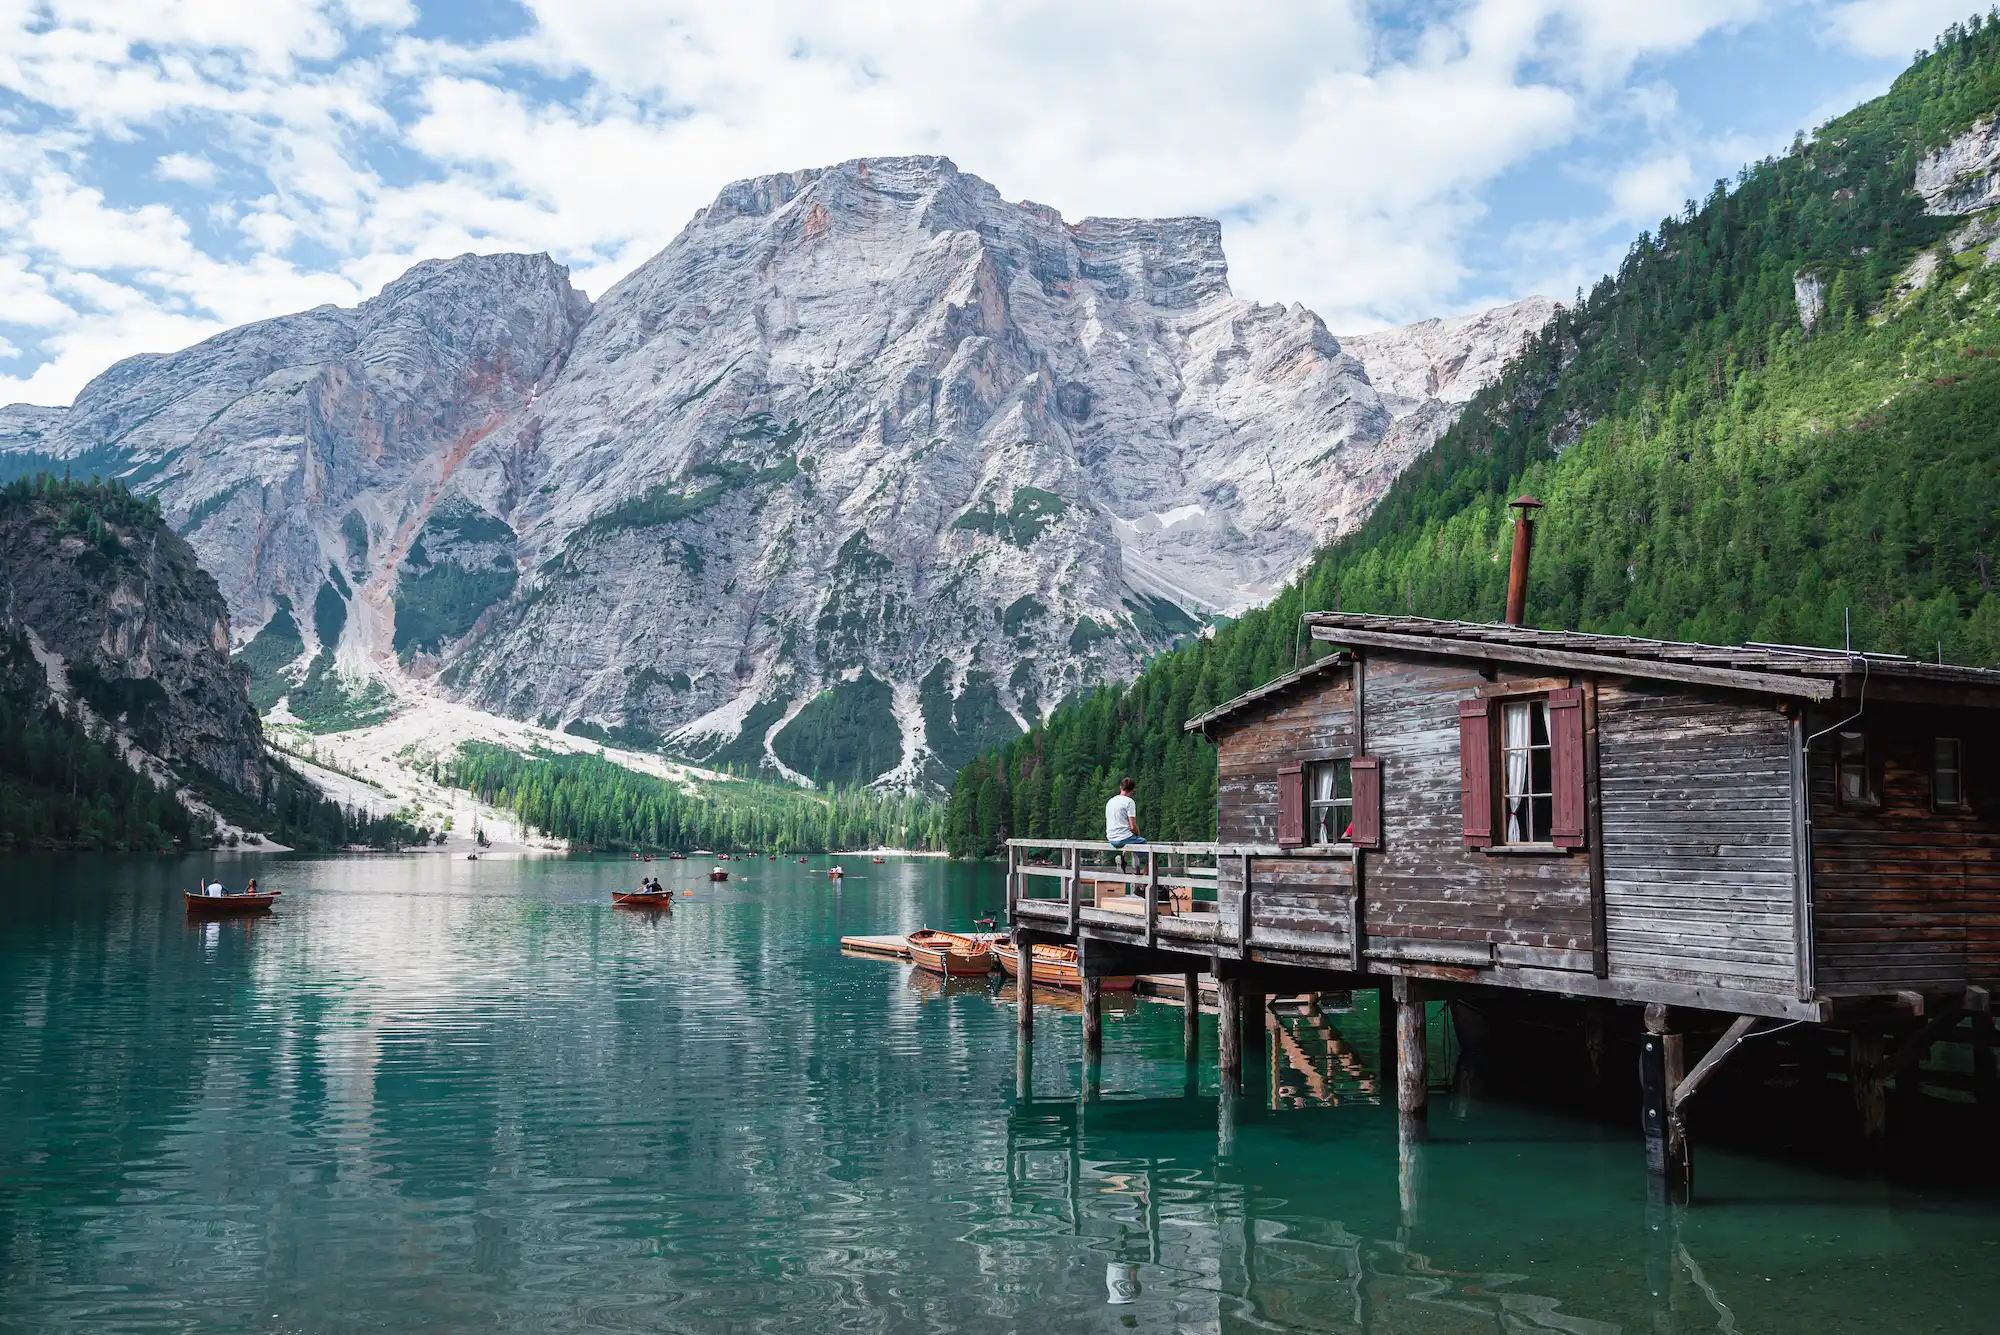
1367	773
1566	767
1475	772
1291	806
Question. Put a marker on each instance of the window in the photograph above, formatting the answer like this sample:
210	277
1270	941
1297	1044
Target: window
1527	772
1857	786
1947	773
1330	802
1531	752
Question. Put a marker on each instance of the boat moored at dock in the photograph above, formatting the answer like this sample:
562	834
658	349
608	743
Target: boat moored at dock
950	953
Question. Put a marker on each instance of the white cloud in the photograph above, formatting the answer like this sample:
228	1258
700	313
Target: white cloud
1893	29
335	148
187	168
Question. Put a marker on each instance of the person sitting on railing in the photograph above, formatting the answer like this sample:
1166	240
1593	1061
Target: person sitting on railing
1121	819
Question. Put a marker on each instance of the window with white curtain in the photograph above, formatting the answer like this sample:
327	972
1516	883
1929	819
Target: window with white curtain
1329	802
1527	786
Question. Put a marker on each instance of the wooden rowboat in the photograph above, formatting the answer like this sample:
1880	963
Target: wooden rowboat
950	954
644	898
1056	966
256	903
718	875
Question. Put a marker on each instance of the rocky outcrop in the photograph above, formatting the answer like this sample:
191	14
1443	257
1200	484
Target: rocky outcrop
1964	175
128	629
868	453
1809	295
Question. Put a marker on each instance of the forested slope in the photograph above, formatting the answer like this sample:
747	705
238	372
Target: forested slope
1713	469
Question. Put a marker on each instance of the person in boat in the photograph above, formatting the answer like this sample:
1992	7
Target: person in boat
214	890
1121	819
251	888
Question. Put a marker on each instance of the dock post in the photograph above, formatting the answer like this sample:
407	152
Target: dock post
1409	1170
1229	1029
1024	985
1191	1017
1412	1056
1093	1018
1385	1041
1661	1067
1867	1062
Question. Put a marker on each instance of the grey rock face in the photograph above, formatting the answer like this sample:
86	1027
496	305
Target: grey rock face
1964	175
869	448
1809	294
125	620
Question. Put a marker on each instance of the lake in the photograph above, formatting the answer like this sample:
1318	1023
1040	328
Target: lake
435	1095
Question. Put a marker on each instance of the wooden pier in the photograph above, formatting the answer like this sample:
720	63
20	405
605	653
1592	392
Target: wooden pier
1693	845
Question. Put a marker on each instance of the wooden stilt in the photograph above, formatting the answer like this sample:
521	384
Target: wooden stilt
1385	1041
1867	1059
1191	1017
1409	1167
1662	1066
1024	1071
1229	1029
1093	1018
1413	1079
1225	1121
1024	999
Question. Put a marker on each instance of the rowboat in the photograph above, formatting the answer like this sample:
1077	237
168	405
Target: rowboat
718	875
256	903
950	954
1056	966
644	898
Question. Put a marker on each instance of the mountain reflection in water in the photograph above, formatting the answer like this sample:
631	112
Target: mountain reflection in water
430	1095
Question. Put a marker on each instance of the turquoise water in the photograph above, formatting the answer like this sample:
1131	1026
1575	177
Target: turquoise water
438	1095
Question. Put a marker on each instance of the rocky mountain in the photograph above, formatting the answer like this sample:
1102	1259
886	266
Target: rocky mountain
866	470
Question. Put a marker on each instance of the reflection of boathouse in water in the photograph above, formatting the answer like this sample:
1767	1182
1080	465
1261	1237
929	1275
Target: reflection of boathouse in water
1220	1247
1681	847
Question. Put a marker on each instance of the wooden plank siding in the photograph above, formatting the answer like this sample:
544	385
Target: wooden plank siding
1425	884
1906	897
1700	879
1304	904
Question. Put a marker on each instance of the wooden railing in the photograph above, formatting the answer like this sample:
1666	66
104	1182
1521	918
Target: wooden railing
1178	882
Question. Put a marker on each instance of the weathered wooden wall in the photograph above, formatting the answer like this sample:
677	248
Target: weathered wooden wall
1535	908
1907	897
1303	903
1700	878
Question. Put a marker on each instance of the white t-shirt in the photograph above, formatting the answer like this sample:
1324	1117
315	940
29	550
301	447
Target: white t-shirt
1119	813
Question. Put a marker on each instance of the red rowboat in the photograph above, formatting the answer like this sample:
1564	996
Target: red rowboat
256	903
644	898
718	875
950	954
1056	966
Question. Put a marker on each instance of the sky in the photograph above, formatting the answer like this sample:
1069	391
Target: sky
172	168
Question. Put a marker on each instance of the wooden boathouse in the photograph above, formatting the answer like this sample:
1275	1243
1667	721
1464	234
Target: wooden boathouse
1731	838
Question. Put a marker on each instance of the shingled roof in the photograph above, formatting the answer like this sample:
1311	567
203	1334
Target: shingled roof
1798	671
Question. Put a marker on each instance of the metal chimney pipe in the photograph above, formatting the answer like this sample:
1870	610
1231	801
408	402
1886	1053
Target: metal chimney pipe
1517	569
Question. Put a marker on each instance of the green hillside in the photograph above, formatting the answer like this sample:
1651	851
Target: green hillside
1711	471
